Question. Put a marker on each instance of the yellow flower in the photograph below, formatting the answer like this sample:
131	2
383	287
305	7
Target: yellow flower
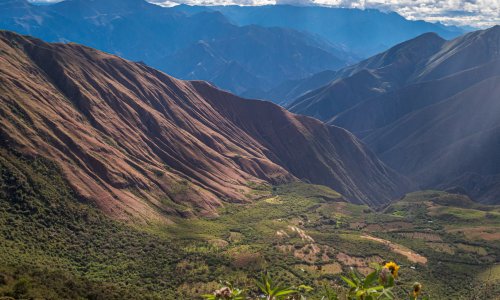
393	267
417	288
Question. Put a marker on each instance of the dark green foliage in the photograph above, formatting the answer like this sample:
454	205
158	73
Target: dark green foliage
51	241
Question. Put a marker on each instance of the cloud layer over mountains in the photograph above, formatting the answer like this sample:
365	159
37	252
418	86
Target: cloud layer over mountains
478	13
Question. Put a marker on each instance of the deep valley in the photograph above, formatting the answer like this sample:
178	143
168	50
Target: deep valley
274	152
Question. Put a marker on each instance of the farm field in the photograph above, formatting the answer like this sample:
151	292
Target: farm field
439	238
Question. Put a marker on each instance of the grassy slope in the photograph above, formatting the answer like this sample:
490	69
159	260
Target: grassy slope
54	246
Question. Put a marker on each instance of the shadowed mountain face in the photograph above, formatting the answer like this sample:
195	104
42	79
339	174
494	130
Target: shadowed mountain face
381	73
286	92
139	143
202	46
375	76
428	107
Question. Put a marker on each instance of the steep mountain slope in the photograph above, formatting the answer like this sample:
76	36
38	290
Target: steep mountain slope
338	159
139	143
424	109
377	75
381	111
454	142
204	46
418	61
366	32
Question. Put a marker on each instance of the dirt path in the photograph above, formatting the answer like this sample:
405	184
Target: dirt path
396	248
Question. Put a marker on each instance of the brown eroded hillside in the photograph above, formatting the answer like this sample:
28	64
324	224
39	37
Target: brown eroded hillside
141	144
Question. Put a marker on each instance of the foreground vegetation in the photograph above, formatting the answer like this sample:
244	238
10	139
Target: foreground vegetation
382	283
55	246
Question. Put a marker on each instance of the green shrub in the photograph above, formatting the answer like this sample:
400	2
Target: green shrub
381	284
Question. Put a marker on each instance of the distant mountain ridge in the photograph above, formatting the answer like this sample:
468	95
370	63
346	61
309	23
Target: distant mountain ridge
372	77
427	106
240	49
396	67
203	46
363	31
141	144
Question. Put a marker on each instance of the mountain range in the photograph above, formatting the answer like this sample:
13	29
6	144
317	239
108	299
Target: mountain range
202	46
427	106
140	143
364	32
231	47
302	65
119	180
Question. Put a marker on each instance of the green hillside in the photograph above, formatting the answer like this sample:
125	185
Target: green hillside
55	246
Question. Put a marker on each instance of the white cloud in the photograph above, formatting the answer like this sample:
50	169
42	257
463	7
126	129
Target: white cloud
477	13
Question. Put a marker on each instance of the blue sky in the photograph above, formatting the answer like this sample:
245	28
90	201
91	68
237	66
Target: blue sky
477	13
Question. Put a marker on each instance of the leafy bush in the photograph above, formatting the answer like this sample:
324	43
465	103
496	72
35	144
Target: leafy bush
381	284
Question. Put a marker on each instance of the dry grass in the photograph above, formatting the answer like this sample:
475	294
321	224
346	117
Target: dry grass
331	269
473	249
429	237
247	260
487	233
274	200
308	253
218	243
441	247
390	226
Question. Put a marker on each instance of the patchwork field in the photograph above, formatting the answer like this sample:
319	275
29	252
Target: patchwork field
313	238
